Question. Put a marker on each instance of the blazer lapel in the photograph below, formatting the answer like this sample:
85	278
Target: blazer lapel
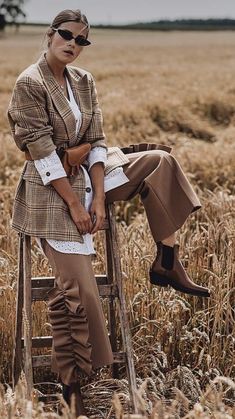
58	98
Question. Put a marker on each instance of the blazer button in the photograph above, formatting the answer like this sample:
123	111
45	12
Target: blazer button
88	189
48	174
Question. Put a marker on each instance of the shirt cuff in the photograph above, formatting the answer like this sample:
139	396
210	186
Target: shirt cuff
50	168
97	155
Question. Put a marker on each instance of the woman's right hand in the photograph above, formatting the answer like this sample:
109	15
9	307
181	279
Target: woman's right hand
78	213
80	217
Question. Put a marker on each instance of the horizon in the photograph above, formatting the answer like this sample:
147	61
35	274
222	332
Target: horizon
144	21
135	11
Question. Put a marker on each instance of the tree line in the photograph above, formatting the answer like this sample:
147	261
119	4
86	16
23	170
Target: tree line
178	24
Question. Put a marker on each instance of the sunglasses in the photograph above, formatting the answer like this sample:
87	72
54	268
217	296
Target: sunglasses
67	35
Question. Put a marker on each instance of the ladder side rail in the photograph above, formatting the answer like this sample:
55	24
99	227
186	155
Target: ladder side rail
27	316
111	306
126	334
17	349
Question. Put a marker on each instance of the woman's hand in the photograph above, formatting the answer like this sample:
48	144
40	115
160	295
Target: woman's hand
97	213
80	217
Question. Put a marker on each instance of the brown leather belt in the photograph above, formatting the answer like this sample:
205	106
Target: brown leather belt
59	151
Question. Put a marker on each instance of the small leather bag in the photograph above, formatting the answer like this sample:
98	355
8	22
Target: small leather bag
72	157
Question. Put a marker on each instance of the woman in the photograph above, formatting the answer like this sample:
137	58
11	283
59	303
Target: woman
54	106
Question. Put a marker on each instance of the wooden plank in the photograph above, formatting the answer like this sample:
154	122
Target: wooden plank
41	361
45	360
105	291
40	294
40	342
101	279
108	290
27	316
17	351
42	282
48	281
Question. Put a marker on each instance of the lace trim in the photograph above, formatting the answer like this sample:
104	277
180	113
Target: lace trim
50	168
48	162
114	172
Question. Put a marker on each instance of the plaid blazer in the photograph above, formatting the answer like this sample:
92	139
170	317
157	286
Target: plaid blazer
41	120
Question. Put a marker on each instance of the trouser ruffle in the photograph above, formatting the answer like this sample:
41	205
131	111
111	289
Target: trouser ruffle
72	349
80	336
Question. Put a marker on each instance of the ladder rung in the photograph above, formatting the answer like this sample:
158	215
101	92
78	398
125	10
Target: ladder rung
108	290
40	342
48	281
41	360
45	360
39	294
42	282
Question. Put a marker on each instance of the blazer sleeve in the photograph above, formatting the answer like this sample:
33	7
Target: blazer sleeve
29	120
95	132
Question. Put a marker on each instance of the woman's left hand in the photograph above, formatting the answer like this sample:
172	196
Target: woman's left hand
97	213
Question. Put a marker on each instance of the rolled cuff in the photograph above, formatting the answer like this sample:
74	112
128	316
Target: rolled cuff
98	143
41	148
97	155
115	178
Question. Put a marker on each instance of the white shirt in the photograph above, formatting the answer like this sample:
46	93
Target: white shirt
53	165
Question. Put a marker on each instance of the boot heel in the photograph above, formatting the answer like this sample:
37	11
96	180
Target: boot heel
158	279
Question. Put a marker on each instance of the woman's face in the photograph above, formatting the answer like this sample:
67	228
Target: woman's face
63	50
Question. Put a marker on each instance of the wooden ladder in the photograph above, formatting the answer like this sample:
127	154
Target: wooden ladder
34	289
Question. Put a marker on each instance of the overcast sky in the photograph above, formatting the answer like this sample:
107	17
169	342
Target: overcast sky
123	11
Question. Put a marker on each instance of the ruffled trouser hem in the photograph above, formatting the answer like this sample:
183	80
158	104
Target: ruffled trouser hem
80	339
71	346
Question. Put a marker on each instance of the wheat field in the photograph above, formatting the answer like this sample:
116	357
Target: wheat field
175	88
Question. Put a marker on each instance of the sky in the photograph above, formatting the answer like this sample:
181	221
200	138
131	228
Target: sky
125	11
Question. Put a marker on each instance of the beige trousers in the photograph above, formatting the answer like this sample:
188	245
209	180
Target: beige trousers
166	193
80	338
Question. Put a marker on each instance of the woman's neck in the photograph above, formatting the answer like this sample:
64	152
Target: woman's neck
56	67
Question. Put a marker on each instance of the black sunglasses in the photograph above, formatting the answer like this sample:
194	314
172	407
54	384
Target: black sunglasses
67	35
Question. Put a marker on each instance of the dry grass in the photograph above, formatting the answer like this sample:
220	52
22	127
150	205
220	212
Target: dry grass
175	88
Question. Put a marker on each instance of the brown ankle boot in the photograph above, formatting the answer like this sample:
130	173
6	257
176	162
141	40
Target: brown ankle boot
74	388
165	272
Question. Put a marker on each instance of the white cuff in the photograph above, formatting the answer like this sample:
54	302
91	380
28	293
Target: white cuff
50	168
97	155
114	179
